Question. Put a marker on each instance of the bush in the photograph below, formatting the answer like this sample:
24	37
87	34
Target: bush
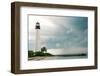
30	54
38	53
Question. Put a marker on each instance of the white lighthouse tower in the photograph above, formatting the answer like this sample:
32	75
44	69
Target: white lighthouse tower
37	44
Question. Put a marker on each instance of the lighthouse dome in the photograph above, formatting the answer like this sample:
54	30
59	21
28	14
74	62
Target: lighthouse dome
37	23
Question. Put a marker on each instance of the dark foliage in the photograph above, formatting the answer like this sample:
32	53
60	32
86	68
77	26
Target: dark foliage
38	53
43	49
30	54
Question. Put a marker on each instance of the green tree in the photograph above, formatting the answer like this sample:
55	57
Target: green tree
44	49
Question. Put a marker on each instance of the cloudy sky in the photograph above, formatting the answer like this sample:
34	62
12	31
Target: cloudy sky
59	32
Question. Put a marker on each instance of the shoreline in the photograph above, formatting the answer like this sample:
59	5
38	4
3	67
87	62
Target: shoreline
76	56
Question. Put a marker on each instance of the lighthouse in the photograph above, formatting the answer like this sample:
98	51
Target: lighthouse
37	44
